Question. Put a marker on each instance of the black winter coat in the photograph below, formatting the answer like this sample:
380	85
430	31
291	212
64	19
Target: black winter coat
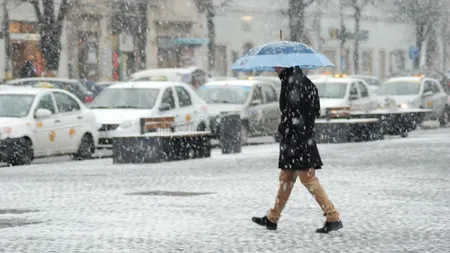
27	70
299	105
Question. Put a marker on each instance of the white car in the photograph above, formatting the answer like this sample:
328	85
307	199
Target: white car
340	96
192	75
256	101
120	107
373	82
415	92
39	122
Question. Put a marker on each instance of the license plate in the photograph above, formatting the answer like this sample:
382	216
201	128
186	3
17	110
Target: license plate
104	135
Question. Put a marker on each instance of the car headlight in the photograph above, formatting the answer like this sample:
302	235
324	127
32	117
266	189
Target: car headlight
128	124
404	106
5	131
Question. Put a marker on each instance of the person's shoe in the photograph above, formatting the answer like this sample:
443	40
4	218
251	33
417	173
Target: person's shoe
330	226
265	223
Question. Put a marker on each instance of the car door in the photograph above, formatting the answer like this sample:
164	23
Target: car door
187	111
366	102
439	97
354	98
45	128
255	126
70	125
271	110
168	98
428	95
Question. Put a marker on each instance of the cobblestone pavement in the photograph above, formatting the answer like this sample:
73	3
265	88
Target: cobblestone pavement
393	196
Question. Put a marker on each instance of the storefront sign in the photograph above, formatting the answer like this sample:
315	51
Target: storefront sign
25	36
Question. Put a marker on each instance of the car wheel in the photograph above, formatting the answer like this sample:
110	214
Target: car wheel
443	120
87	147
22	154
404	135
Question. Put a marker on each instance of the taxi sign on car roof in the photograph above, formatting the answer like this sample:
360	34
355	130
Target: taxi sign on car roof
44	85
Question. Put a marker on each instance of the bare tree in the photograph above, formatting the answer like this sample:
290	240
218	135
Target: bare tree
423	14
208	8
358	7
296	15
50	25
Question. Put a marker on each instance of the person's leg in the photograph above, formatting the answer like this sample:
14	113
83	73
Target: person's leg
311	182
287	181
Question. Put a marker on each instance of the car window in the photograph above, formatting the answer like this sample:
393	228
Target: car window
65	103
183	96
257	93
353	91
46	102
270	93
168	98
435	88
363	90
428	87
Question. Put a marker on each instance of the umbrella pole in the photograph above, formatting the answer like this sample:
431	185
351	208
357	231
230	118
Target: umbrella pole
281	34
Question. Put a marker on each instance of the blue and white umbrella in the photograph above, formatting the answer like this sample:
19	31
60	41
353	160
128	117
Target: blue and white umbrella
281	54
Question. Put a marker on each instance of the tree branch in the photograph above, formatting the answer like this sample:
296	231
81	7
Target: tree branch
63	9
49	11
307	3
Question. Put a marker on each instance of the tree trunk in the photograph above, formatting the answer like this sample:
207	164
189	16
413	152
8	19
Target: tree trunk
51	46
420	38
296	19
357	38
432	48
142	34
212	38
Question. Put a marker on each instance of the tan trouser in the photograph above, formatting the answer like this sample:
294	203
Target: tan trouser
311	182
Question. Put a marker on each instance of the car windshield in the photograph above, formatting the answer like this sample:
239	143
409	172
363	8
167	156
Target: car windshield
126	98
399	88
15	105
331	90
224	94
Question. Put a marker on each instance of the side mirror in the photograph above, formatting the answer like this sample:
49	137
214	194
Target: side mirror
427	93
353	97
256	102
42	113
165	107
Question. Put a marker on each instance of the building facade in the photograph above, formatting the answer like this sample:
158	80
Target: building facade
385	51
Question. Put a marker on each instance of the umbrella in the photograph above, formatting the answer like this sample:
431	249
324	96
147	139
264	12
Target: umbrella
281	54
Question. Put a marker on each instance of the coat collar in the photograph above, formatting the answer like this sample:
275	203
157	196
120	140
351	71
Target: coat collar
290	72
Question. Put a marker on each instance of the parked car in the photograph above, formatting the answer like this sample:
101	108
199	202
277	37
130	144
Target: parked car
339	96
192	75
71	85
275	80
416	92
105	84
38	122
120	107
442	78
373	82
256	101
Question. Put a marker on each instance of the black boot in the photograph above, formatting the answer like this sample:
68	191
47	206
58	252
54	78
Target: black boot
330	226
265	222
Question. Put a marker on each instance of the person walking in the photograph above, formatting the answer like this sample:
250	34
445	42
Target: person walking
28	70
299	156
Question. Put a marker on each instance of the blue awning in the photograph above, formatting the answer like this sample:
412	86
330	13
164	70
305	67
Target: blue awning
191	41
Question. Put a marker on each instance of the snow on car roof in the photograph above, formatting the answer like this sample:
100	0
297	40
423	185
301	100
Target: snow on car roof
163	71
335	80
42	79
233	83
24	90
146	84
405	78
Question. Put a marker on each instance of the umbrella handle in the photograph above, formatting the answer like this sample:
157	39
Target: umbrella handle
281	34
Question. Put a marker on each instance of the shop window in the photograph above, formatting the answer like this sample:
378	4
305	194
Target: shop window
367	61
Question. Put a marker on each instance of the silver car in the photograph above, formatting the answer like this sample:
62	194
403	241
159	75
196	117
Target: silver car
415	92
256	101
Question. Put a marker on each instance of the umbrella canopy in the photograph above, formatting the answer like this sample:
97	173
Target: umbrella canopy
281	54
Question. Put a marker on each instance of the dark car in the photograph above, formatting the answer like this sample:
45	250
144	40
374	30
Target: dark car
71	85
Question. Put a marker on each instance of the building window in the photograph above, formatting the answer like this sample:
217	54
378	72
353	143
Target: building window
382	61
367	62
246	23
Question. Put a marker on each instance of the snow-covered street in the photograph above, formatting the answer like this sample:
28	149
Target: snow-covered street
393	196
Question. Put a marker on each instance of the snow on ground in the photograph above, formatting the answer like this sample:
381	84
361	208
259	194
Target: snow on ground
393	196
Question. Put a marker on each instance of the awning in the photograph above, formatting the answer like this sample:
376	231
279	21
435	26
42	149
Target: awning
191	41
